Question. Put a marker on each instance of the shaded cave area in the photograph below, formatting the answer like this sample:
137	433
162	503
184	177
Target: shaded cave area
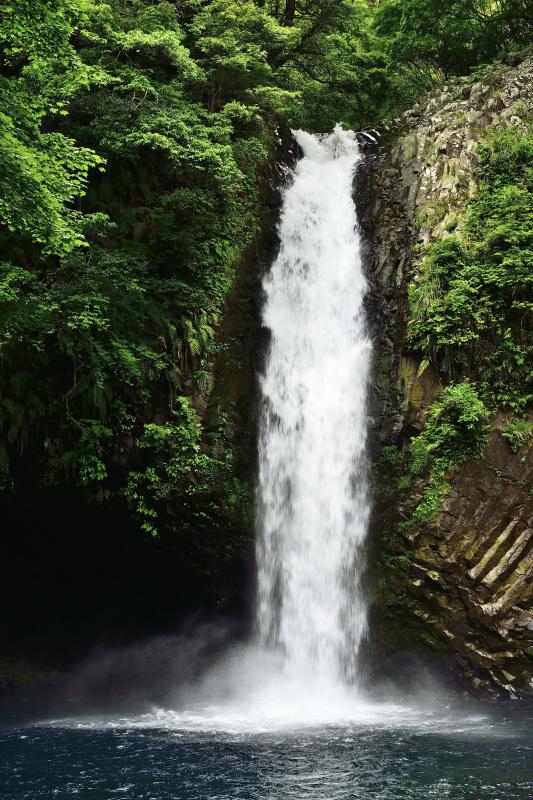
80	578
76	578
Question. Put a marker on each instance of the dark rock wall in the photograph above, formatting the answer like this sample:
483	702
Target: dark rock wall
462	598
472	568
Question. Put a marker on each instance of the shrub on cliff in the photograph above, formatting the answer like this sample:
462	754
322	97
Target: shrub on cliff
456	429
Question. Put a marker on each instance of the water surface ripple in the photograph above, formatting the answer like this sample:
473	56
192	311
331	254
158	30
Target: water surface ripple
146	758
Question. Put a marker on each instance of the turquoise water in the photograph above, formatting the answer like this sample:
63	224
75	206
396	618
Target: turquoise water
483	756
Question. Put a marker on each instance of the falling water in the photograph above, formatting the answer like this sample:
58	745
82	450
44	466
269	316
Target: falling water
313	498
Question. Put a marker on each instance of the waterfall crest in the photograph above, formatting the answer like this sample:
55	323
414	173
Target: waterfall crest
312	494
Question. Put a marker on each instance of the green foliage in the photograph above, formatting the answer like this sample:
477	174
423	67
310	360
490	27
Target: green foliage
470	308
41	170
456	430
429	39
518	433
182	473
89	336
89	455
308	68
389	471
452	224
389	462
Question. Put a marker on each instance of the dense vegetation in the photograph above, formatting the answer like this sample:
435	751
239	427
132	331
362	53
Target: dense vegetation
472	303
135	137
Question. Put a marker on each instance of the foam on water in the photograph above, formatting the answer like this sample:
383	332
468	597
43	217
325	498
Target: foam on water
255	718
248	692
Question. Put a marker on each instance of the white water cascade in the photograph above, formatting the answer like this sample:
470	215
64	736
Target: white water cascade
313	498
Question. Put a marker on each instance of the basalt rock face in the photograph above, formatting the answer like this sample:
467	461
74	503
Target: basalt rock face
471	568
462	597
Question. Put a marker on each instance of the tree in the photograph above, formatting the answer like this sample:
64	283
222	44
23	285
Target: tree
42	170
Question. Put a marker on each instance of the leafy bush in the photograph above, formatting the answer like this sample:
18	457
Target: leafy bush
518	433
456	429
181	472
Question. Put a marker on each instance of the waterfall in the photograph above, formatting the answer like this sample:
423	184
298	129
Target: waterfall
312	493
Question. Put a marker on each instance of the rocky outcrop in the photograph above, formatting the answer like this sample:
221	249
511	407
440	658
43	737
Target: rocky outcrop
472	567
426	172
464	588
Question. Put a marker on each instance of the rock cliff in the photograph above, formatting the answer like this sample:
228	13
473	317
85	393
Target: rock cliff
458	588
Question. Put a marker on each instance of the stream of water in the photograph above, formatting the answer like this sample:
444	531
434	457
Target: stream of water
313	496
